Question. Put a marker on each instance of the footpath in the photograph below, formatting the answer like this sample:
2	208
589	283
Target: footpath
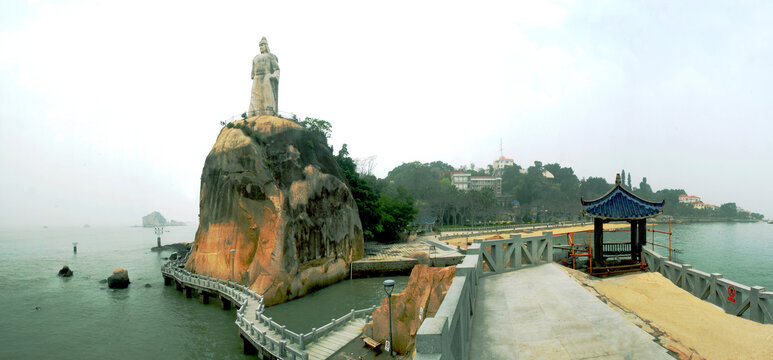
543	313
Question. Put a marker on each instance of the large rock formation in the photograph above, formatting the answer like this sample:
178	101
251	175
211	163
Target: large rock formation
421	298
275	193
153	219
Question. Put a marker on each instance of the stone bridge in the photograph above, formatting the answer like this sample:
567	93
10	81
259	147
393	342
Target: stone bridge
260	334
510	301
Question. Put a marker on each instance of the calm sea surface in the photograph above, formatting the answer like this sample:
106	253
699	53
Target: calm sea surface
80	318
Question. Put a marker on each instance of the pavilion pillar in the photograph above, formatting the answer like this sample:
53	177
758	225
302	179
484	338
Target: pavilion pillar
634	239
598	242
642	235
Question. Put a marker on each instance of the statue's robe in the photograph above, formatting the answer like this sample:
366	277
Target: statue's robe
265	87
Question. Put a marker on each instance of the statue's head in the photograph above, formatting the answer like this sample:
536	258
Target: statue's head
264	46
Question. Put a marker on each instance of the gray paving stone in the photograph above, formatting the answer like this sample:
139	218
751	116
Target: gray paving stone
541	313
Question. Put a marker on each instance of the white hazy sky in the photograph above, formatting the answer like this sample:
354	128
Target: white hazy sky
109	108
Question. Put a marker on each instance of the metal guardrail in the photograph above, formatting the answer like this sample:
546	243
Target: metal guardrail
734	298
475	231
285	344
281	114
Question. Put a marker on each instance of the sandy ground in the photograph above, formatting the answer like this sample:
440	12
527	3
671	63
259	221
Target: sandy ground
462	240
690	327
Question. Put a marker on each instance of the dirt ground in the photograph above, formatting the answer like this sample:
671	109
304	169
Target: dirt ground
691	328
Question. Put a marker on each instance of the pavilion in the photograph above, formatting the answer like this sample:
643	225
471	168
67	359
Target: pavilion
619	204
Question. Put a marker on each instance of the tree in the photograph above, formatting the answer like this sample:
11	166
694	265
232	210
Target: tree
728	210
629	181
622	176
383	218
593	187
317	126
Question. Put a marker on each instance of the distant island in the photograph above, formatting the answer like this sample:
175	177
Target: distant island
156	219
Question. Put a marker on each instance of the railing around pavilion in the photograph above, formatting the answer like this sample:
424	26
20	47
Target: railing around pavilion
447	334
273	337
734	298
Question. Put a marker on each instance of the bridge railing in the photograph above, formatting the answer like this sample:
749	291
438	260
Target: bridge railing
447	334
734	298
504	255
242	295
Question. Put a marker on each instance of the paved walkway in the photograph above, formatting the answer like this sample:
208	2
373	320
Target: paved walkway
542	313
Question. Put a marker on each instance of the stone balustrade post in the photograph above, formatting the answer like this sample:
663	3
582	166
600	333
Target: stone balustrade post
755	312
685	283
713	289
548	255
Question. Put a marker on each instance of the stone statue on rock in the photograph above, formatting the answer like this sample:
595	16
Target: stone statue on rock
265	82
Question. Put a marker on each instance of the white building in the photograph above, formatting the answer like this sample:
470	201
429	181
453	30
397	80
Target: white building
465	182
502	162
691	199
461	180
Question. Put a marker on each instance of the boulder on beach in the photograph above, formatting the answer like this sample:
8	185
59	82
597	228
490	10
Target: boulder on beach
65	271
119	279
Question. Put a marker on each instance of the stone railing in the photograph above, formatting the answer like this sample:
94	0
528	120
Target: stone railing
447	334
504	255
273	337
736	299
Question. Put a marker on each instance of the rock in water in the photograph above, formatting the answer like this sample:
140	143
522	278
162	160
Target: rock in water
421	298
275	193
65	271
119	279
153	219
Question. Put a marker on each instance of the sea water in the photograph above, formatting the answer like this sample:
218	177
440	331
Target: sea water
80	318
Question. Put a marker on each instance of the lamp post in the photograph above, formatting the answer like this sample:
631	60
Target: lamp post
232	264
389	285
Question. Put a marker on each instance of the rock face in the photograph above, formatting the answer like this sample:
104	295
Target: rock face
119	279
421	298
65	271
153	219
279	199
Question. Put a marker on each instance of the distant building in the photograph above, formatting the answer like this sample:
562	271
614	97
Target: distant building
546	174
711	207
501	163
698	205
461	180
483	182
465	182
689	199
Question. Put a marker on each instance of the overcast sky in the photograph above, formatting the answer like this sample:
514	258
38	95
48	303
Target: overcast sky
108	109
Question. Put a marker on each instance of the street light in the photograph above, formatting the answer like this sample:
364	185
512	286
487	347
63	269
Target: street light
232	264
389	285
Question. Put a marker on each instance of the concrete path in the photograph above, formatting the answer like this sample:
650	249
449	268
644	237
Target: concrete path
542	313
